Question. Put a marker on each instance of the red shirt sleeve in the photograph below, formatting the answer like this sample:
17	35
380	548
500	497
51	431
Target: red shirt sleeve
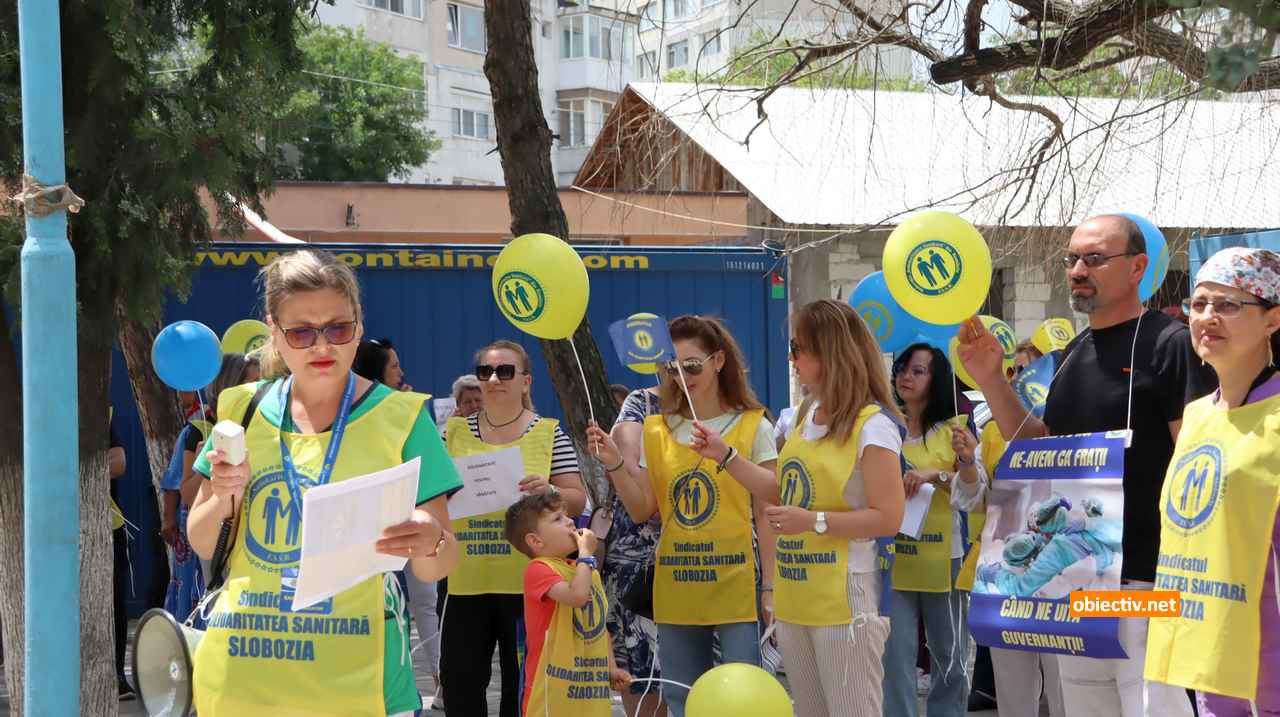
538	579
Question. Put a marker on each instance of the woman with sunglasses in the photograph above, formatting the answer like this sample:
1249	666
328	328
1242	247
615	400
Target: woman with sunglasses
1220	506
837	489
940	450
313	422
486	593
691	472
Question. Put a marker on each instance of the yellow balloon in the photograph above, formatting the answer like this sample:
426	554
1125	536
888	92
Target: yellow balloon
1003	334
647	368
737	688
1053	335
937	267
245	336
541	286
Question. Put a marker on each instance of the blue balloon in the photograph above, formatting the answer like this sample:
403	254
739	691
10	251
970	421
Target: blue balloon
893	327
187	355
939	335
1157	256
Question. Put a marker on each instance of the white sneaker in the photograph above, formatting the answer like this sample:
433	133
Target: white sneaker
923	682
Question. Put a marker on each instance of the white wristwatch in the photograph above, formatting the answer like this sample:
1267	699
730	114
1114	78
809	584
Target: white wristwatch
820	525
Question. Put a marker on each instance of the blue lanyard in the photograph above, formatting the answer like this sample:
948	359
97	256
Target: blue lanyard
335	441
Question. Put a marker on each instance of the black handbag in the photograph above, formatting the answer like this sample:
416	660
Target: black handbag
639	595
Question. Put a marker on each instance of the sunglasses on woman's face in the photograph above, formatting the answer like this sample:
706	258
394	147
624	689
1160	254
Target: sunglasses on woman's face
691	366
336	334
505	372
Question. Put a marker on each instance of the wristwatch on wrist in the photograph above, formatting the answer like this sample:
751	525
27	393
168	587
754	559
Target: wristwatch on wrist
820	525
589	561
943	477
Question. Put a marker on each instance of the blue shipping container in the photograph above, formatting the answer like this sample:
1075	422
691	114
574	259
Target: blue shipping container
436	305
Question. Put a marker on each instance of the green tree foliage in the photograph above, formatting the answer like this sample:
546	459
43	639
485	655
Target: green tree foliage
357	112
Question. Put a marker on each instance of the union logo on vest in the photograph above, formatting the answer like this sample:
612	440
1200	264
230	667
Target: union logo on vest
274	520
520	297
693	496
588	620
934	268
797	488
1195	488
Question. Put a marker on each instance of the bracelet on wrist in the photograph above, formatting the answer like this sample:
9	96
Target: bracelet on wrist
728	458
621	462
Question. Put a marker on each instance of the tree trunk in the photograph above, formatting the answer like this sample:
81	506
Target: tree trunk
97	640
11	542
157	405
524	144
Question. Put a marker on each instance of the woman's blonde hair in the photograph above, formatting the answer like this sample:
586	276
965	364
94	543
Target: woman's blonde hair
853	372
711	336
298	271
521	354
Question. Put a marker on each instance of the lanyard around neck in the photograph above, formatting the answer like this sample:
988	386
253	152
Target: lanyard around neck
335	440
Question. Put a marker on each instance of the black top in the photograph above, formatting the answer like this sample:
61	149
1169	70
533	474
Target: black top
1091	393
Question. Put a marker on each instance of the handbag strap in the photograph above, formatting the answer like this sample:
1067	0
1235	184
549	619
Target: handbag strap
230	527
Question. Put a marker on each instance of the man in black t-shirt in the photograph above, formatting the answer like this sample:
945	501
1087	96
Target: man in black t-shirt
1126	347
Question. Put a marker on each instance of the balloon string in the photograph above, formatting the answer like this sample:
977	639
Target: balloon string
685	385
586	389
204	412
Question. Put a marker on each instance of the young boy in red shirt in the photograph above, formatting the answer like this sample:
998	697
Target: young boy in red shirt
569	667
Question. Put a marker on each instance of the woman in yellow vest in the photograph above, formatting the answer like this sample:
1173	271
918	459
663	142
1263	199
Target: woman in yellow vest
314	423
691	472
1220	506
838	487
485	605
940	450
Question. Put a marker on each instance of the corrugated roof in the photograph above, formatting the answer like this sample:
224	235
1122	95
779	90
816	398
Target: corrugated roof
857	157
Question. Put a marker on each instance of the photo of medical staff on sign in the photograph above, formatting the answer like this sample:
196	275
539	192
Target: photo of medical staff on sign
1050	538
1054	526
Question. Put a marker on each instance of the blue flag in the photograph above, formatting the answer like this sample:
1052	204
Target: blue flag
642	339
1032	385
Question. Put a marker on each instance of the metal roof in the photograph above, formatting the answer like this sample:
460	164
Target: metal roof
861	157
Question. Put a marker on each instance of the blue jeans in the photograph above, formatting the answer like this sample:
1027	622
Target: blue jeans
946	617
685	653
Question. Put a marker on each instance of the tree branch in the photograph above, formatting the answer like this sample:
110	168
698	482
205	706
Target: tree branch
1080	36
1153	40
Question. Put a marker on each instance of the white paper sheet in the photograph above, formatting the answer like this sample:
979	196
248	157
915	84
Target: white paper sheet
917	510
443	409
490	482
341	522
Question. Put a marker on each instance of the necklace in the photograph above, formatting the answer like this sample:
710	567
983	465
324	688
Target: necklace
502	425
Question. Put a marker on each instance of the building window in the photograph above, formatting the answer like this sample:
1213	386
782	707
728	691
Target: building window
581	121
677	54
469	123
573	123
676	9
593	36
466	27
711	43
408	8
649	17
647	64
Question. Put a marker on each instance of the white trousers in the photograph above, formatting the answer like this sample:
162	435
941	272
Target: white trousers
1102	688
1021	677
422	604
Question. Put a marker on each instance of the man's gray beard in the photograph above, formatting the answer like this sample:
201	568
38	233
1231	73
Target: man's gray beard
1083	304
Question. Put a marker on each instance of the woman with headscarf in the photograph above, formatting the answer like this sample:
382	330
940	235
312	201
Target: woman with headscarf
1220	506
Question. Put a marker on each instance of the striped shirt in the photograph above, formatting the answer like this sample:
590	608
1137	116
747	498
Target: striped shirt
564	458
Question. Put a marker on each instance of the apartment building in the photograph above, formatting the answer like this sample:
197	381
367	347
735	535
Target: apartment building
584	53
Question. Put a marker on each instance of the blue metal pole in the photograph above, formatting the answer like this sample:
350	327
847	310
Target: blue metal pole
51	429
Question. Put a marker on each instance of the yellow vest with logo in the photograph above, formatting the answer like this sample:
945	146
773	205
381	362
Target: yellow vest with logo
1217	511
258	656
117	515
705	566
489	564
572	674
811	585
924	565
